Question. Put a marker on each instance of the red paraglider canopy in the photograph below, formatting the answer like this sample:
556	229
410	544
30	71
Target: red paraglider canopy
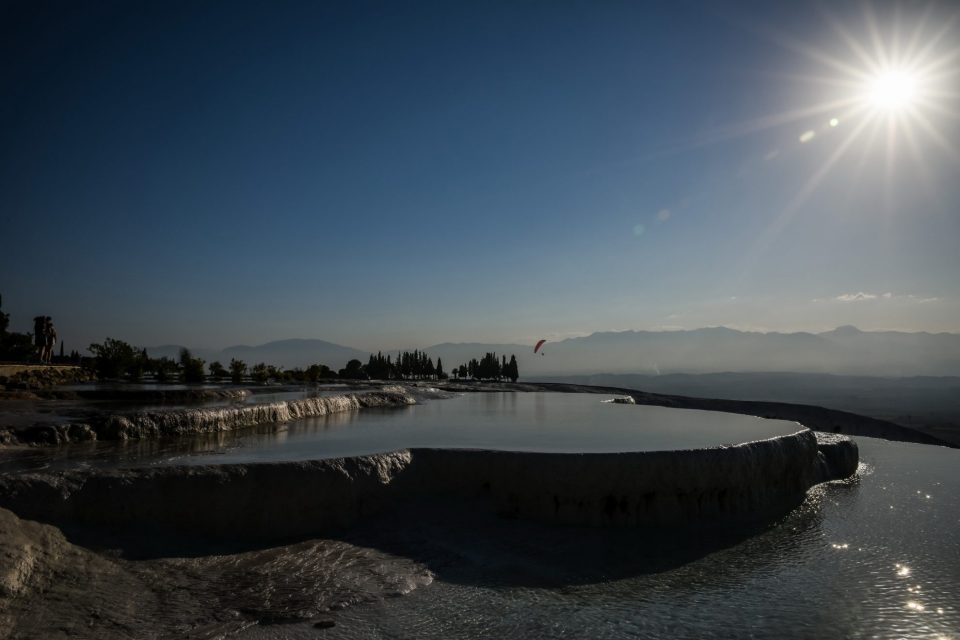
539	344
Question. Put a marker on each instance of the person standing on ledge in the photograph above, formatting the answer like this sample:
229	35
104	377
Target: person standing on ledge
50	339
39	335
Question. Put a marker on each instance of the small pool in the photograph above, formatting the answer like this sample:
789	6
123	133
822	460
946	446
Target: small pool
543	422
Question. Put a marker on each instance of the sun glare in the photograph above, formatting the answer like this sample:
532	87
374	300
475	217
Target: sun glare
892	90
880	103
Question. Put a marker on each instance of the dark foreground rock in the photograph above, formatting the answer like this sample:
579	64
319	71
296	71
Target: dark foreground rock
51	588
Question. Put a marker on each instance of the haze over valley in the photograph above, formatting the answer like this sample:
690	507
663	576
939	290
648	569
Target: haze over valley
845	350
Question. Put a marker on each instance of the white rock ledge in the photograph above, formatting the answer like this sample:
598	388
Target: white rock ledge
750	482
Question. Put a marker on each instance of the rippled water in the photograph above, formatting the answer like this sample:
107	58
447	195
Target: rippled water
875	557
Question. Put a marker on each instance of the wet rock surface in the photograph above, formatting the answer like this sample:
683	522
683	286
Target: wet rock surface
107	423
195	552
17	381
51	588
266	502
839	454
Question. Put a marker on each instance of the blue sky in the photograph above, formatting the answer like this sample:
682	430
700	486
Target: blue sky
401	174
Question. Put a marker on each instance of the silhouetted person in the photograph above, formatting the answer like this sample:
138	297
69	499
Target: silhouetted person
39	339
50	339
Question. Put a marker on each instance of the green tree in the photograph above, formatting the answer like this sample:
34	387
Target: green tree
259	373
488	368
117	359
217	372
379	367
317	371
165	369
354	371
18	347
192	367
4	320
238	369
512	371
137	366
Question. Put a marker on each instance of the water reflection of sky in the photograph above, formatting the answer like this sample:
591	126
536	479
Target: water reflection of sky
550	422
553	422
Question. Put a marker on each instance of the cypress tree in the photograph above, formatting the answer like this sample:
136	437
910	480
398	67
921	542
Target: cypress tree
512	371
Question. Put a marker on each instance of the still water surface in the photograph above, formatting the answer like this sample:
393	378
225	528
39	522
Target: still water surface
546	422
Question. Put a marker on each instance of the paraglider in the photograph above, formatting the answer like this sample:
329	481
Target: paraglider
539	344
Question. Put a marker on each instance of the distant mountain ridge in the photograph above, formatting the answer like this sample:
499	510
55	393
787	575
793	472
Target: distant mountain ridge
289	354
845	350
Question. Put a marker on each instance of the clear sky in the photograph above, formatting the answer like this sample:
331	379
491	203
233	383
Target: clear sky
399	174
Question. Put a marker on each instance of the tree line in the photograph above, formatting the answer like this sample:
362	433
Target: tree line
489	368
409	365
417	365
116	359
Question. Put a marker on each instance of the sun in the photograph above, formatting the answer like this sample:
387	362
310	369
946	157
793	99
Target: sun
878	106
891	80
892	91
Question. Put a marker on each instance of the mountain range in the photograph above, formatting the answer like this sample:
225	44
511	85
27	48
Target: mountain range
289	354
845	350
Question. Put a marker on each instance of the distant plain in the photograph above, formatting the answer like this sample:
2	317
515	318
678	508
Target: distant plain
927	403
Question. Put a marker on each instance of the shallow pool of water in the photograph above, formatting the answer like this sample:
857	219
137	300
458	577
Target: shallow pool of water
545	422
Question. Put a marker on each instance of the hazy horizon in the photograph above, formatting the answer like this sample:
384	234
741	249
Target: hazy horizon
845	351
518	342
386	175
